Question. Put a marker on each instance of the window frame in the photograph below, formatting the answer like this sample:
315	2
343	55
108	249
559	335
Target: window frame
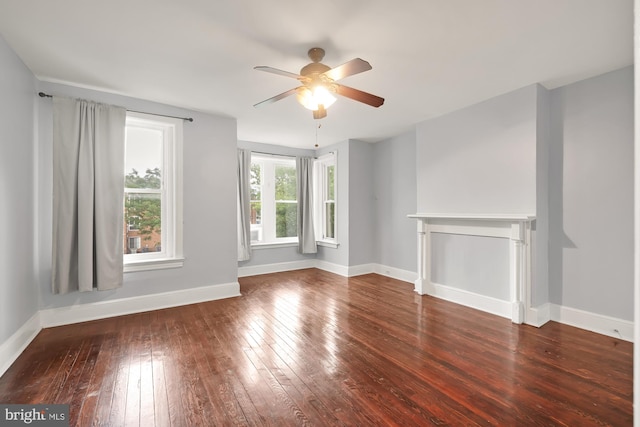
171	254
321	192
268	202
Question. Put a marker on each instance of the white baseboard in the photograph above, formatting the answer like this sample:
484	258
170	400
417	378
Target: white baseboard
359	270
395	273
100	310
341	270
605	325
15	345
473	300
538	316
254	270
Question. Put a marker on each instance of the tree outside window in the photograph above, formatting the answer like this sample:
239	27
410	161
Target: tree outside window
273	200
143	210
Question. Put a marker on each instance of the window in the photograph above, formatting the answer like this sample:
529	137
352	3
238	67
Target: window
152	192
325	200
134	243
273	200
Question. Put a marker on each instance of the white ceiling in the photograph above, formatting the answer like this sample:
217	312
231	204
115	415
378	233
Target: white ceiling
429	57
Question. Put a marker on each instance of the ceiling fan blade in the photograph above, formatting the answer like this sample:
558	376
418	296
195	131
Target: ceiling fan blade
277	97
279	72
347	69
358	95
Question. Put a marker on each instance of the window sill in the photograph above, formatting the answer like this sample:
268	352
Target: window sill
328	244
153	264
273	245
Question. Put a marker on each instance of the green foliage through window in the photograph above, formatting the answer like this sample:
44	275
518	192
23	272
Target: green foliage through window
142	210
286	205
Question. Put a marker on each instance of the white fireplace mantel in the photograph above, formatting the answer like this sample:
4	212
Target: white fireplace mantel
515	227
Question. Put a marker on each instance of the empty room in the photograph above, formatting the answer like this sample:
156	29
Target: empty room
333	213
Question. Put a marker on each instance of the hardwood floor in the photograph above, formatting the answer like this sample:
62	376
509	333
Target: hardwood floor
312	348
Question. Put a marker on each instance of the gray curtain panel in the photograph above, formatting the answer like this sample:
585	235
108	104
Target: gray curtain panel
306	235
244	205
88	183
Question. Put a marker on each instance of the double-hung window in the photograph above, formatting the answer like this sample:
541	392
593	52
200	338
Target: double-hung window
152	192
273	200
325	200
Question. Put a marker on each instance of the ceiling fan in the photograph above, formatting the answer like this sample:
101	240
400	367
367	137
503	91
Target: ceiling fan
319	84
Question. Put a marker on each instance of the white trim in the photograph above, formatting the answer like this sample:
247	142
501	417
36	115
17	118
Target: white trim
13	347
153	264
601	324
341	270
327	244
258	246
359	270
100	310
346	271
320	197
395	273
475	217
538	316
254	270
469	299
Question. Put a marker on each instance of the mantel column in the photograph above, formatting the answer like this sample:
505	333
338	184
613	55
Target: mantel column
517	266
423	283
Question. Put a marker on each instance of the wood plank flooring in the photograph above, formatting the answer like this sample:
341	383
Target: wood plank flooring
312	348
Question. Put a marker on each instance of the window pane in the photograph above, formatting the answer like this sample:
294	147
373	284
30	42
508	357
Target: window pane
330	220
286	219
256	213
143	211
256	221
143	157
285	182
255	182
330	182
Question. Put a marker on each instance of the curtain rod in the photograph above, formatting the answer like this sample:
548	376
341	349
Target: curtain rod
189	119
279	155
271	154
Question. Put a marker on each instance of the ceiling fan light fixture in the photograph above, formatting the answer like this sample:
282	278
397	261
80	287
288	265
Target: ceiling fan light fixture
320	113
313	99
318	84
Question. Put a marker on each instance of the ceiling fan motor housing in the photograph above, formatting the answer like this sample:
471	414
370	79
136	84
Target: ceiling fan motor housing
313	68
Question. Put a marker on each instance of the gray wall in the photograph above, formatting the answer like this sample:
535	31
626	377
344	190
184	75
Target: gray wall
394	179
472	263
540	229
209	151
591	194
480	159
362	212
18	206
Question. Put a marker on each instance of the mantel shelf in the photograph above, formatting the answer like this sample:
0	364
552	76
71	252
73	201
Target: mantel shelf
474	217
